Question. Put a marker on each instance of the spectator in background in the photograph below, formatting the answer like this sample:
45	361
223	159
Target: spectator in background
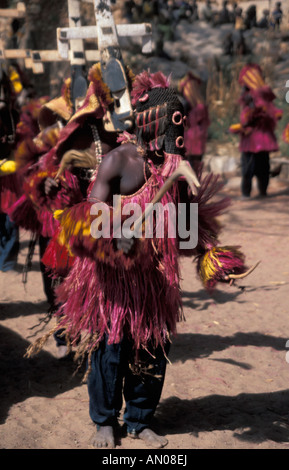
234	42
233	12
264	21
150	9
225	16
207	12
277	14
194	10
251	17
128	9
239	20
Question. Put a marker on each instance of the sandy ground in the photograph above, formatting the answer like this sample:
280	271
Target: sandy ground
226	386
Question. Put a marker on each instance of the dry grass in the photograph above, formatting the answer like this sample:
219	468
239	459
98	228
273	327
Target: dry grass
222	95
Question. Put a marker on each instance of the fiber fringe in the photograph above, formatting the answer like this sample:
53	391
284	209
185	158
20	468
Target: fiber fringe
107	293
218	262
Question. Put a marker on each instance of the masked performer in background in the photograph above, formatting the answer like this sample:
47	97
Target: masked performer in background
10	88
39	129
258	120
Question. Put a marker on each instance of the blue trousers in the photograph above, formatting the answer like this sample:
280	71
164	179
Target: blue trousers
111	379
9	243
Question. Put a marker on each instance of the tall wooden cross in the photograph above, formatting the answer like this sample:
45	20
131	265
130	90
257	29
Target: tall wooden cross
71	48
18	12
113	69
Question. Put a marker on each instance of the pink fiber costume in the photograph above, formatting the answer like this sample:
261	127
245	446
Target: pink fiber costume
138	294
121	309
258	120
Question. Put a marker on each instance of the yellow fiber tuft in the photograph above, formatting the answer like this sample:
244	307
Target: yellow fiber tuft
7	167
57	214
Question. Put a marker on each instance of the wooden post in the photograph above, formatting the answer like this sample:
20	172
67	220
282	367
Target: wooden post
113	71
140	30
76	45
18	12
48	55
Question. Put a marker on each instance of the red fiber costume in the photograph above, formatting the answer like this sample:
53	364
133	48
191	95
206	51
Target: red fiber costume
34	210
259	116
18	127
26	211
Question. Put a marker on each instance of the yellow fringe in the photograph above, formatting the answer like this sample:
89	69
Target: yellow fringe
8	167
207	267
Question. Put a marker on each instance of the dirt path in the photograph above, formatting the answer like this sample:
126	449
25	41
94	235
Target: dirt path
227	384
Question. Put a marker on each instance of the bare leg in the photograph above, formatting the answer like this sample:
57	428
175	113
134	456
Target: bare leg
152	439
104	437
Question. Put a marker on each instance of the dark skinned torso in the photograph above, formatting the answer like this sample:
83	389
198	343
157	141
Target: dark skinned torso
123	171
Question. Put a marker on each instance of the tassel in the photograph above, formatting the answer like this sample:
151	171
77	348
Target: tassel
218	262
38	345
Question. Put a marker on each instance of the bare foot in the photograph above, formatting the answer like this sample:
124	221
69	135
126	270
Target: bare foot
152	439
104	437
